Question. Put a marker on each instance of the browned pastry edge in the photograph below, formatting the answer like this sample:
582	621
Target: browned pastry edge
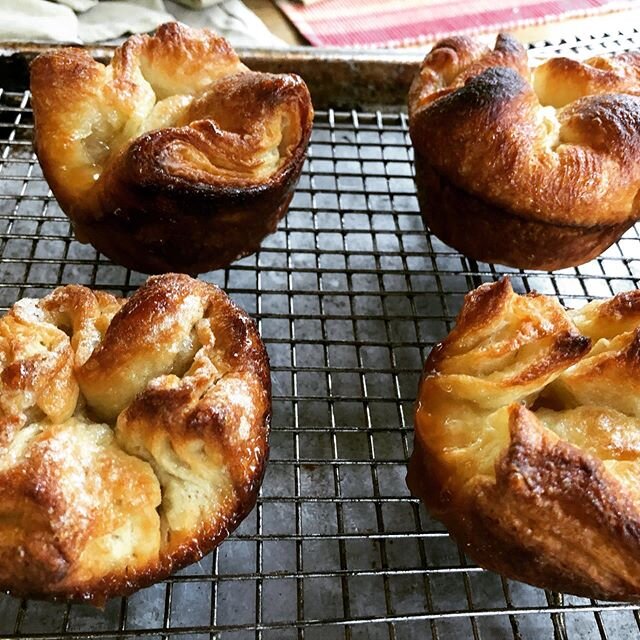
168	229
117	585
488	233
187	196
160	223
518	181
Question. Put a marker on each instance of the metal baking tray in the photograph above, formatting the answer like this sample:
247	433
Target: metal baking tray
350	294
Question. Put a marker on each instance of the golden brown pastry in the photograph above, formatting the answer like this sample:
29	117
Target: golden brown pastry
133	435
173	157
530	168
527	442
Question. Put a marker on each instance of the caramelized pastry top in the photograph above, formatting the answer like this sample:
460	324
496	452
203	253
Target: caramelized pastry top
528	439
558	143
133	434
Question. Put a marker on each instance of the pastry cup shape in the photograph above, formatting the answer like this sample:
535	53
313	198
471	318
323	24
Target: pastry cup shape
527	442
532	168
175	156
133	435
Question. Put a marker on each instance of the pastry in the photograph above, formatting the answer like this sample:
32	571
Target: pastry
536	169
527	441
175	156
133	435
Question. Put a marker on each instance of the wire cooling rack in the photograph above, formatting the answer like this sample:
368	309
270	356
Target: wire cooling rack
350	294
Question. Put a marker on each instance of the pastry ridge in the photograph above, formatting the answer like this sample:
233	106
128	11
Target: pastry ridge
133	435
528	439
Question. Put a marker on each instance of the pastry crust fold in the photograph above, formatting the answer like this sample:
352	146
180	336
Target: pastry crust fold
533	168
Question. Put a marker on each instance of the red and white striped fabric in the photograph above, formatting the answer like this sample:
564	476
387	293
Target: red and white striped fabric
389	23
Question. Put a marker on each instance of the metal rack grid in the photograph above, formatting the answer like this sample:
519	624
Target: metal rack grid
350	294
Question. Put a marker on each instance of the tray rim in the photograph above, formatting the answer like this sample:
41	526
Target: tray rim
337	78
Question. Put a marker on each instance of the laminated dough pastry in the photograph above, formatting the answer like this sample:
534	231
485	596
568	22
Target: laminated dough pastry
133	435
527	442
533	168
175	156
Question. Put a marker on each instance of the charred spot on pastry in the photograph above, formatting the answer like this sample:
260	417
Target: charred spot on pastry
571	345
107	481
494	87
175	156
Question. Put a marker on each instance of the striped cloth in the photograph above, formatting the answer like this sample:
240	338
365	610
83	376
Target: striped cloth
389	23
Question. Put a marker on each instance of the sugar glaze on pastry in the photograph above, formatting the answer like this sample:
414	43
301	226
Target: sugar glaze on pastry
175	156
527	442
133	435
533	168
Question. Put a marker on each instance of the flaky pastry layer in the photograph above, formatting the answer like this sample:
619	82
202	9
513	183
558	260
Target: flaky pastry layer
133	435
527	442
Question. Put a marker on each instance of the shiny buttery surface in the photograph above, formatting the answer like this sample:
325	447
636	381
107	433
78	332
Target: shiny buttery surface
553	151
